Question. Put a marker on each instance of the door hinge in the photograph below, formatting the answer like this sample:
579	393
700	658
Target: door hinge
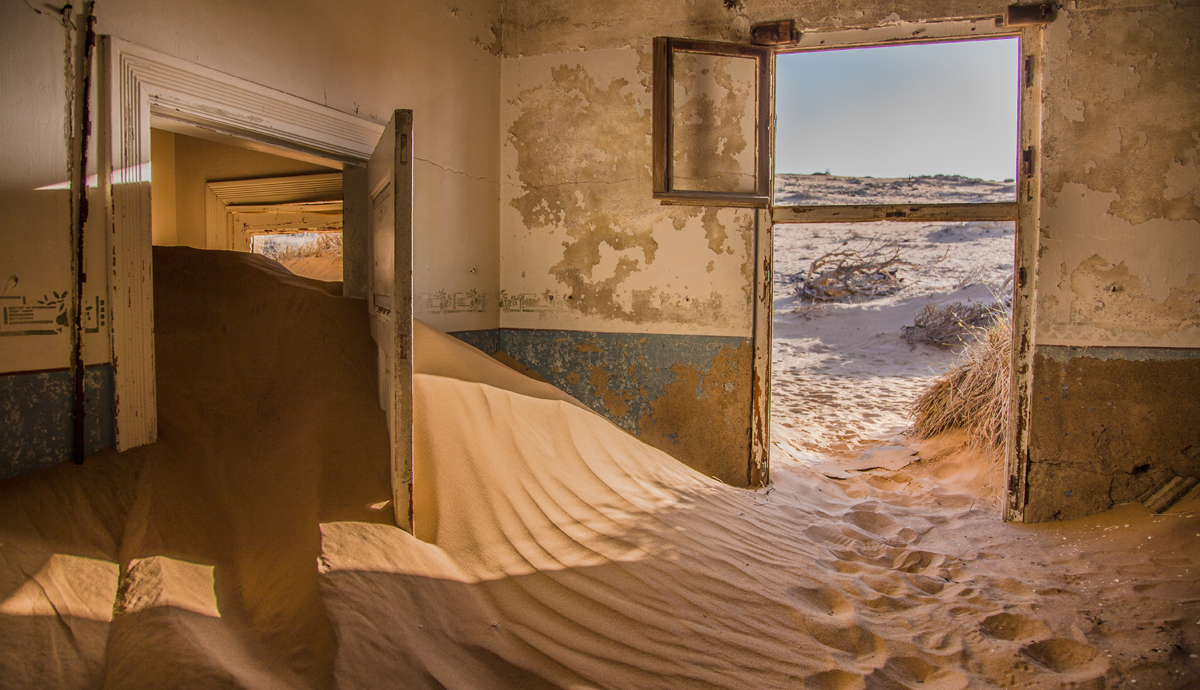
780	33
1027	161
1028	71
1033	14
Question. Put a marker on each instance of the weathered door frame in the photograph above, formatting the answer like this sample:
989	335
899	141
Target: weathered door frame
138	84
1025	212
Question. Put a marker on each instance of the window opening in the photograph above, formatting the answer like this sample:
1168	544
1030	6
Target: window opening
310	254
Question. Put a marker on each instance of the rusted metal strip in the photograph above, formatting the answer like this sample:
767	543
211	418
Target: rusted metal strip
898	212
82	134
1035	14
780	33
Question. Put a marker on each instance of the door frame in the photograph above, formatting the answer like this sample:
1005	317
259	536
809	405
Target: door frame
1026	214
137	85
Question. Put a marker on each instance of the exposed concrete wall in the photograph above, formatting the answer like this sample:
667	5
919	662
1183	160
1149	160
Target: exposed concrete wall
365	58
1112	414
1112	423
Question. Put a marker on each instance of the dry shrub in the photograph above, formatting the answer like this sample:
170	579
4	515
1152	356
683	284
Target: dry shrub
952	324
972	396
846	273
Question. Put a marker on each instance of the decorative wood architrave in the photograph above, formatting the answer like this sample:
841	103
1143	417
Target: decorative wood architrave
219	197
665	49
136	83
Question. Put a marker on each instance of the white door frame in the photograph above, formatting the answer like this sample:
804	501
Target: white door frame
136	84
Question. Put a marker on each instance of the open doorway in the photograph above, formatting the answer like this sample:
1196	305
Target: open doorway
219	195
894	237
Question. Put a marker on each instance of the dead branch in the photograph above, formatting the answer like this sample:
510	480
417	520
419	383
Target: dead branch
847	273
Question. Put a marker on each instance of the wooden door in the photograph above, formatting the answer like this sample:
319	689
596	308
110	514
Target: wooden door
389	181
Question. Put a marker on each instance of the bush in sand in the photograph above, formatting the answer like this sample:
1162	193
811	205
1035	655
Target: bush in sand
972	396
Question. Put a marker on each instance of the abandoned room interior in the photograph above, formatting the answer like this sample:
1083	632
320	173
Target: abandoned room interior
499	344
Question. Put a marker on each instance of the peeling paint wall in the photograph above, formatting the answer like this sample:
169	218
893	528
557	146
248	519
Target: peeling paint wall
586	250
585	246
681	393
1113	412
1120	237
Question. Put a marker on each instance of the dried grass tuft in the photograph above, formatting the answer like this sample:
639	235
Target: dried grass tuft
952	325
972	396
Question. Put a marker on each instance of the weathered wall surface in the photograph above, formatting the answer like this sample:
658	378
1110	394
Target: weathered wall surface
1120	235
365	58
589	258
1112	423
587	249
1112	412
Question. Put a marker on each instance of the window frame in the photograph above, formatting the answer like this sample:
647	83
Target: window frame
912	212
665	49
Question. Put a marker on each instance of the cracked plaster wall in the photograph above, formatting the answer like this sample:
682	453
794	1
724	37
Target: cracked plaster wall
1118	244
1119	249
584	245
1116	377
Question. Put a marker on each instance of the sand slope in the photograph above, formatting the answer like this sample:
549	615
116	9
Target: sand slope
254	551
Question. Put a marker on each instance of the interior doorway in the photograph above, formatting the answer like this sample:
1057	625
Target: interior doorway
895	209
219	195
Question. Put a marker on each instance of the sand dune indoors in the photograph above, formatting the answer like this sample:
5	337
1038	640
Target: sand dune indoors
250	546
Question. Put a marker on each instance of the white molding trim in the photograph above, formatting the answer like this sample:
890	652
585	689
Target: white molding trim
136	83
264	190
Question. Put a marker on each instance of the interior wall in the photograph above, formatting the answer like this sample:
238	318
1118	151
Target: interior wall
592	263
365	58
1116	394
588	253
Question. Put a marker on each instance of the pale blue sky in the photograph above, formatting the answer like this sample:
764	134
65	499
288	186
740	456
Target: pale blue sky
896	111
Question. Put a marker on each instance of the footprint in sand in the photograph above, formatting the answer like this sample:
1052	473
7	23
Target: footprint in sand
1015	627
835	680
846	637
820	601
911	671
1060	654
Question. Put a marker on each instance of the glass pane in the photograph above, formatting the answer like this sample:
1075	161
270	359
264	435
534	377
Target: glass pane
922	123
714	115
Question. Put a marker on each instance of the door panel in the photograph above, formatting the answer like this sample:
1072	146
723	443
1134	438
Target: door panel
389	180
